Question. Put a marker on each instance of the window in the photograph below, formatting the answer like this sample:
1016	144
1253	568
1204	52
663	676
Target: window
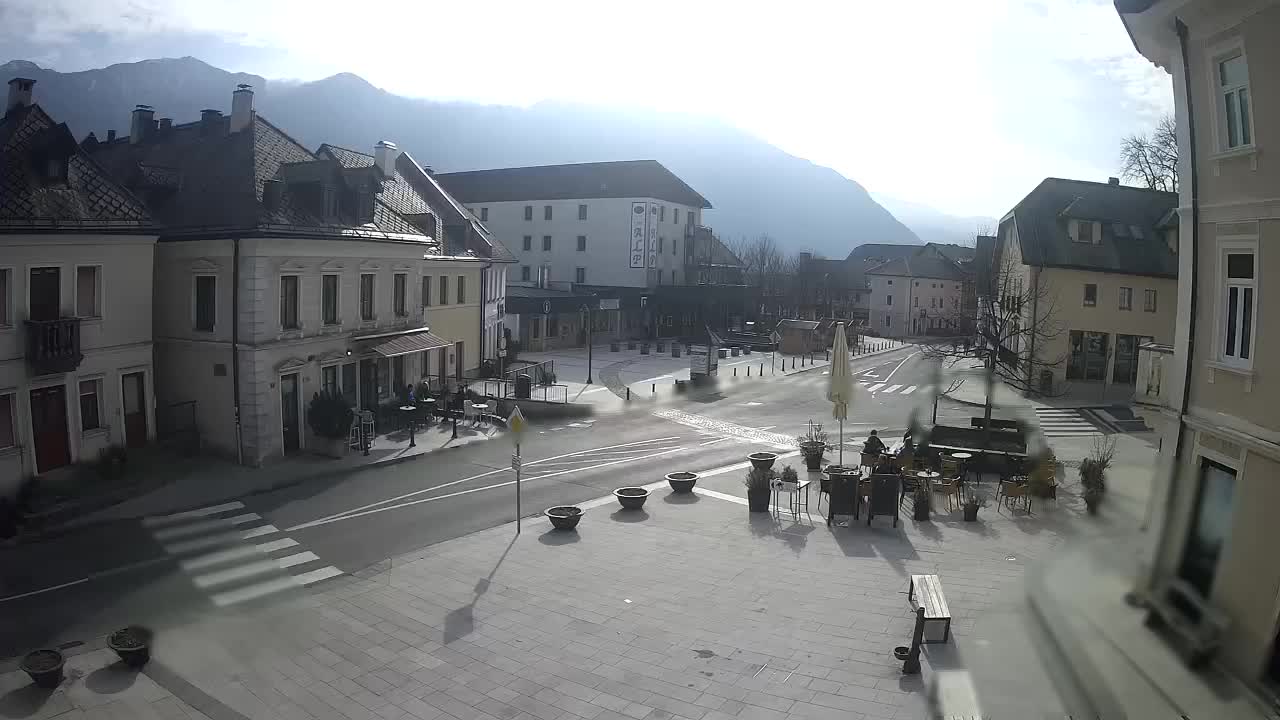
5	284
444	290
384	378
955	303
1210	526
329	299
673	245
399	282
329	379
535	327
7	437
90	404
582	243
546	243
289	302
524	273
916	301
933	303
1090	294
887	321
888	299
661	242
1087	355
426	291
462	289
675	216
662	213
349	383
890	282
366	297
1086	231
1233	80
1148	301
528	242
1238	298
528	212
88	289
546	212
206	302
580	275
582	212
1126	298
484	214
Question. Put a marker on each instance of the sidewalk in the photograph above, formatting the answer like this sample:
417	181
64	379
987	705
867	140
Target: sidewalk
973	391
178	483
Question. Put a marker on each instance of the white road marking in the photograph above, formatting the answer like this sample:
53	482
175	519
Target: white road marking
257	590
316	576
909	390
289	561
260	531
189	514
235	573
274	545
893	388
899	367
219	557
875	387
165	534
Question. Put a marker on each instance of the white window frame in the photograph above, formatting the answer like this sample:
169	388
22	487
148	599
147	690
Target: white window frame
1231	246
1125	298
1218	55
580	275
6	323
1084	299
195	306
337	301
13	420
1154	296
97	289
280	310
403	310
97	380
373	298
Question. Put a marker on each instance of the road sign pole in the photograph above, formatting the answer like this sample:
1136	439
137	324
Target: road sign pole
516	425
517	464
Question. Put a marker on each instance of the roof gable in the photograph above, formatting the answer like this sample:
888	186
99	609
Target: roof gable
628	178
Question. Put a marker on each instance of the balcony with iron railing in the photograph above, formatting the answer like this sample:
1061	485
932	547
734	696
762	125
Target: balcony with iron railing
53	346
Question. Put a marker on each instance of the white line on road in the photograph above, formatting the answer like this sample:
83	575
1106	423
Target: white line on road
893	388
189	514
476	477
909	390
875	387
904	362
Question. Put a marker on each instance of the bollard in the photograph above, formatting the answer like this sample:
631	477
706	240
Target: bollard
911	666
628	393
761	369
653	388
735	372
748	371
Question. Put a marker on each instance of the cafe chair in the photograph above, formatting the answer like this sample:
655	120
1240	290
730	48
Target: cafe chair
950	468
950	489
868	460
1010	493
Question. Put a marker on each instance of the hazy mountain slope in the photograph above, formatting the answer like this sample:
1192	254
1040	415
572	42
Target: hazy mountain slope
755	187
932	225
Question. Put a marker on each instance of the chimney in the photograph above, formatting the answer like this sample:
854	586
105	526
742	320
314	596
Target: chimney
805	257
272	192
141	123
241	107
166	124
209	121
111	135
1113	181
428	170
384	156
19	93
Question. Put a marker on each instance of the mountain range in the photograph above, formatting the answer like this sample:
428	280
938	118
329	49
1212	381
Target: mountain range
755	188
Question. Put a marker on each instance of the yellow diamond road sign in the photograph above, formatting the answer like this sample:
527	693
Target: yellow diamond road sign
516	424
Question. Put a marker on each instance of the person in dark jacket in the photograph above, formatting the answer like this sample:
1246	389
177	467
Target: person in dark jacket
874	445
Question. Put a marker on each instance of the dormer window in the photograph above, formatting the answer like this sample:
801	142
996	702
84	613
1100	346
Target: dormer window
329	199
1085	231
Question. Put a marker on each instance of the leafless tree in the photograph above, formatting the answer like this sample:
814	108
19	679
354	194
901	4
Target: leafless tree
1015	324
1152	159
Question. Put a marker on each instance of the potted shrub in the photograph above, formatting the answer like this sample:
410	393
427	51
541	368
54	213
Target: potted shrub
682	482
132	644
812	445
44	667
564	517
920	501
759	484
762	460
972	504
330	419
1093	471
631	498
1042	479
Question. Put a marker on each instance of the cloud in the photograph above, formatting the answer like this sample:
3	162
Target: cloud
963	106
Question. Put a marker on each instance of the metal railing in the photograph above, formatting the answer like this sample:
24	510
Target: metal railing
506	390
543	373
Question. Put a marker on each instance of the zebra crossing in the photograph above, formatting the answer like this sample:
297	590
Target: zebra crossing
1065	422
234	555
872	386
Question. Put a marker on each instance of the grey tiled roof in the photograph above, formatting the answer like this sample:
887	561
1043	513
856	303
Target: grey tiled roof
628	178
875	253
89	200
1042	221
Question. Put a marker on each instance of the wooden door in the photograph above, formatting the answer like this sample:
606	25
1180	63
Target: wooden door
133	394
45	293
457	361
368	384
49	427
289	414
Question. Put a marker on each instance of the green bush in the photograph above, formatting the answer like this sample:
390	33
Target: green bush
329	415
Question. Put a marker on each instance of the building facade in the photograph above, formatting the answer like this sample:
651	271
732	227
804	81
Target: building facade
1212	521
1095	271
76	372
282	272
929	292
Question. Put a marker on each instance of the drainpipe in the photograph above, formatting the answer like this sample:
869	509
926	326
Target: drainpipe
235	344
1035	317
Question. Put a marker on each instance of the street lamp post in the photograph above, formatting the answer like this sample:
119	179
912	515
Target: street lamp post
586	313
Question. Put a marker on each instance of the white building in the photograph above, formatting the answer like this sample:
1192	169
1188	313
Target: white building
929	292
281	272
76	254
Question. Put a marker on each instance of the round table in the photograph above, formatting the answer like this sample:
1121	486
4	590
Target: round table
963	458
408	411
478	409
428	404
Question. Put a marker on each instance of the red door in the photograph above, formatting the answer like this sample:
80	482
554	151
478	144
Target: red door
49	427
134	390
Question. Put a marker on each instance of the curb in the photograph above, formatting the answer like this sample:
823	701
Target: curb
827	364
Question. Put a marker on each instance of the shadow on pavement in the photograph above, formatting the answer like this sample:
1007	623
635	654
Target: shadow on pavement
630	516
559	537
111	679
25	701
674	498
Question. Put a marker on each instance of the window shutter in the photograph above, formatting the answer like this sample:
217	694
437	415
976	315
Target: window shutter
1097	233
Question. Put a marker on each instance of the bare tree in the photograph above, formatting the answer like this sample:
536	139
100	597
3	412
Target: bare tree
1015	324
1152	160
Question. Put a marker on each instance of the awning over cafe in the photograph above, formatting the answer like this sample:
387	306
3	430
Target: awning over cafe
409	343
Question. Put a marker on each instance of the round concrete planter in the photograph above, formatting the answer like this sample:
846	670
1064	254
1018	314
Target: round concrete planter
44	667
682	482
564	517
631	498
762	460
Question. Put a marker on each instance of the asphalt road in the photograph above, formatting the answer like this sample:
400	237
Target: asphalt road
86	583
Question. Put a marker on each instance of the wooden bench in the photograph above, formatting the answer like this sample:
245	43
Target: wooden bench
937	616
995	424
1195	626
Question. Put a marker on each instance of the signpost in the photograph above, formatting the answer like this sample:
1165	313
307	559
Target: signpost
774	339
516	425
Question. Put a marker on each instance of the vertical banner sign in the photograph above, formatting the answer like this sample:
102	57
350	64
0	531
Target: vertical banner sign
637	252
653	235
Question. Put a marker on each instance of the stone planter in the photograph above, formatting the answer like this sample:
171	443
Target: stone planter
132	644
920	508
746	350
970	513
631	498
682	482
762	460
812	451
758	500
44	667
564	517
330	447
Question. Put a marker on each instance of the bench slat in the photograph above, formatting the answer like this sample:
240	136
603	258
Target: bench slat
928	592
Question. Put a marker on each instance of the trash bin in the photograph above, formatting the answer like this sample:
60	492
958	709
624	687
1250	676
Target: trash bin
524	387
1046	381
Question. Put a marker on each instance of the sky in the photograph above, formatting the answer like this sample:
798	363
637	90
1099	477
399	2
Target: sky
961	106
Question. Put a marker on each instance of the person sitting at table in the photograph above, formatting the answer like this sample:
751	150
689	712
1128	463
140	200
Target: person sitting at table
874	445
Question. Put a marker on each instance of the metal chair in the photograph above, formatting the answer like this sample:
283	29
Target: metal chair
1011	492
950	489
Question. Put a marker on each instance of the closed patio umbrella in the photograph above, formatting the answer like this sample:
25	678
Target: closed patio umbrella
840	383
